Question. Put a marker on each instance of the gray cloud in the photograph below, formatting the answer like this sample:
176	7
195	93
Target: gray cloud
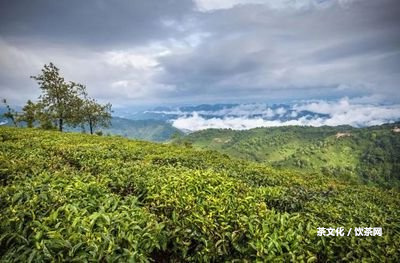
179	51
95	22
261	49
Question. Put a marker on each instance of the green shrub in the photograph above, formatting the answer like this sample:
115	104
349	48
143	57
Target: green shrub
76	197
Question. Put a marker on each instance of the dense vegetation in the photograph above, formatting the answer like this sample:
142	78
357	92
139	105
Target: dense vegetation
370	154
76	197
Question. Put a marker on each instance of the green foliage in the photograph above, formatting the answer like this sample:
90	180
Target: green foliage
63	103
176	136
371	155
75	197
60	99
29	113
95	114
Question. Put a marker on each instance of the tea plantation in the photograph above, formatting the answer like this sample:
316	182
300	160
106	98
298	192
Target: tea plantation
82	198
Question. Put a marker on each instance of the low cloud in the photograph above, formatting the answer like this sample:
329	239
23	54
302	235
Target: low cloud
317	113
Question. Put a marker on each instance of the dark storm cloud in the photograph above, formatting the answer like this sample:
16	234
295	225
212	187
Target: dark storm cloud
94	22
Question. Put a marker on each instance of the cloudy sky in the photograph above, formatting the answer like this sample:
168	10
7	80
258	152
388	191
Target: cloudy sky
153	52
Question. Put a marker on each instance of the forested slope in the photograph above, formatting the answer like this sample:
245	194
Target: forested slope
75	197
150	130
367	154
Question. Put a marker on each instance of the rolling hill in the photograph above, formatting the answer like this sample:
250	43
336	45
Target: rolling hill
370	154
149	129
77	197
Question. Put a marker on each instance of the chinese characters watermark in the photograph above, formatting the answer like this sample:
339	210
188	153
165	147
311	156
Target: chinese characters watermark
358	231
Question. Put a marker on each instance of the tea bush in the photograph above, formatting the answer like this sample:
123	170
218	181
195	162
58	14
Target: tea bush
75	197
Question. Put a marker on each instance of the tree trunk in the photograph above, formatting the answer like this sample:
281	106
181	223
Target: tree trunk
14	122
60	124
91	126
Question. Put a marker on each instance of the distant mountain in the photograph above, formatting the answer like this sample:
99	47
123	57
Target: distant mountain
371	154
151	130
281	112
159	123
251	115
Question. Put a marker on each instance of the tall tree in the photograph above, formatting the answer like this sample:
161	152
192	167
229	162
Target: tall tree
95	114
60	99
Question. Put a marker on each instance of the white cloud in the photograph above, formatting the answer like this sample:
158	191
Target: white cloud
345	111
327	107
130	59
117	76
211	5
196	123
342	112
120	83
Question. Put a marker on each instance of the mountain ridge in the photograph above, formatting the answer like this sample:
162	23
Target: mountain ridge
370	154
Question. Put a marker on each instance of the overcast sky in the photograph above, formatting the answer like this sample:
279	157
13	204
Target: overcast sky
152	52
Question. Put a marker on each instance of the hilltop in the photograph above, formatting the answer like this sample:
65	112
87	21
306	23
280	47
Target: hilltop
370	154
77	197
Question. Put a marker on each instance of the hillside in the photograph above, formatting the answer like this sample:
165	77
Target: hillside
76	197
369	154
149	130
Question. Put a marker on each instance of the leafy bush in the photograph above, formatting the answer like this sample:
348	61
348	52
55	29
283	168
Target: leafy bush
75	197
